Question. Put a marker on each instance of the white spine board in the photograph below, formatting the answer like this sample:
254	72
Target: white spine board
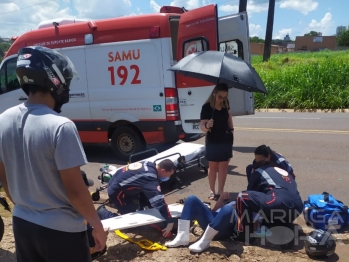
140	218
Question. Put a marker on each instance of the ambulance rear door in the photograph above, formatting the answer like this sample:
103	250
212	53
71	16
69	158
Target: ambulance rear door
78	108
197	32
233	34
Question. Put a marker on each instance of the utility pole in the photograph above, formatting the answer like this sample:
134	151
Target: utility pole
269	31
242	6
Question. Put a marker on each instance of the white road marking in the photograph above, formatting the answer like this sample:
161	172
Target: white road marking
281	117
316	131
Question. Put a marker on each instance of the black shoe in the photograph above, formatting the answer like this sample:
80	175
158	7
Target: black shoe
96	255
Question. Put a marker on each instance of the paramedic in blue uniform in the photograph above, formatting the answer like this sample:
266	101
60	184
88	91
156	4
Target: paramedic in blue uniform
273	193
142	179
264	153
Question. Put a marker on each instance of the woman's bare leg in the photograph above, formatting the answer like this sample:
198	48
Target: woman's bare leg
222	175
212	175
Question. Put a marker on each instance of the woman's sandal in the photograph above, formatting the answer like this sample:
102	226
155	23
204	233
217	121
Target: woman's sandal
216	197
212	196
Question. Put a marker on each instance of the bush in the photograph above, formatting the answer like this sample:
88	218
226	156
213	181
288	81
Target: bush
318	80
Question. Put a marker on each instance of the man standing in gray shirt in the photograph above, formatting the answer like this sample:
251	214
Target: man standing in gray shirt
40	159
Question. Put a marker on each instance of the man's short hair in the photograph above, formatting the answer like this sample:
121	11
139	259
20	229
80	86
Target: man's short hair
168	165
33	89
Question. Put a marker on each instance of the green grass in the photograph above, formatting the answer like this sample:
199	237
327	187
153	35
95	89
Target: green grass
318	80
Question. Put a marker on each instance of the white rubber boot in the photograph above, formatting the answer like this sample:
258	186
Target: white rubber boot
182	238
204	241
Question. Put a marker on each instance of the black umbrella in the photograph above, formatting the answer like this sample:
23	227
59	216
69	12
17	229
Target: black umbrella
220	67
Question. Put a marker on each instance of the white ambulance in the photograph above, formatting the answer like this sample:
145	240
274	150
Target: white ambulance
125	94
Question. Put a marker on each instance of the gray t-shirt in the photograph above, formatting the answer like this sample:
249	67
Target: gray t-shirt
35	143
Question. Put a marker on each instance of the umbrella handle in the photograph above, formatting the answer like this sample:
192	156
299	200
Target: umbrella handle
209	129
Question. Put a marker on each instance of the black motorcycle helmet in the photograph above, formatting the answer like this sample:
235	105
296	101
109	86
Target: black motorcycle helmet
320	244
48	69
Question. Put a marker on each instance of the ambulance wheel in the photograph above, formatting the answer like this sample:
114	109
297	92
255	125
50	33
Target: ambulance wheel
126	141
2	228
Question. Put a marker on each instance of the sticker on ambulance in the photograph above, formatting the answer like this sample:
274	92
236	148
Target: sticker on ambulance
157	108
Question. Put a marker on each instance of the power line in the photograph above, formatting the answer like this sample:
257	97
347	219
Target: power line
27	7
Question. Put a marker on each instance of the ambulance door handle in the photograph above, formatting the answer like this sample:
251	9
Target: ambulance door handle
161	94
189	92
22	98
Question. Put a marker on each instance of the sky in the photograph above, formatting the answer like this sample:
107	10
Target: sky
293	17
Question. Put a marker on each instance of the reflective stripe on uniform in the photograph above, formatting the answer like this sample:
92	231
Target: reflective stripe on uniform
282	159
266	176
135	177
145	166
156	198
279	160
241	197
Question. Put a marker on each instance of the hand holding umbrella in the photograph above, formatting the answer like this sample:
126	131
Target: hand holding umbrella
209	124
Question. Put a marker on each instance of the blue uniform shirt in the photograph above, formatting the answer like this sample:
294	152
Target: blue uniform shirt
282	162
141	177
267	178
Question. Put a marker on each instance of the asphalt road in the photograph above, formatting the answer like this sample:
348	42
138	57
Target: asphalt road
316	144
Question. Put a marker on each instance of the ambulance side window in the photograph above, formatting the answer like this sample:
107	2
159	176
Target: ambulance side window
8	77
234	47
195	45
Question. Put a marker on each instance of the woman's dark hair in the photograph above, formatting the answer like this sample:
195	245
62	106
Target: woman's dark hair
168	165
263	150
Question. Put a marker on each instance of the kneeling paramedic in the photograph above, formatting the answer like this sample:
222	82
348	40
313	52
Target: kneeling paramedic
142	179
264	153
272	193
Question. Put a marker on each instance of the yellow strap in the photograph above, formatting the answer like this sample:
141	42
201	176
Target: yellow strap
196	223
143	243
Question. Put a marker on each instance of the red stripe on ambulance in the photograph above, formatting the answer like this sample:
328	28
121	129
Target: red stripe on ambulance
93	136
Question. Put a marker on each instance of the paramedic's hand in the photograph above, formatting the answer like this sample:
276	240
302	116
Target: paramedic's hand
209	123
220	202
100	236
167	230
225	196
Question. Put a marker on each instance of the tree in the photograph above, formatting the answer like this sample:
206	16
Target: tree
343	38
256	39
3	48
277	41
312	33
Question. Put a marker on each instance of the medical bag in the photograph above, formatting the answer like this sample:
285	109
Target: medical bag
323	211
